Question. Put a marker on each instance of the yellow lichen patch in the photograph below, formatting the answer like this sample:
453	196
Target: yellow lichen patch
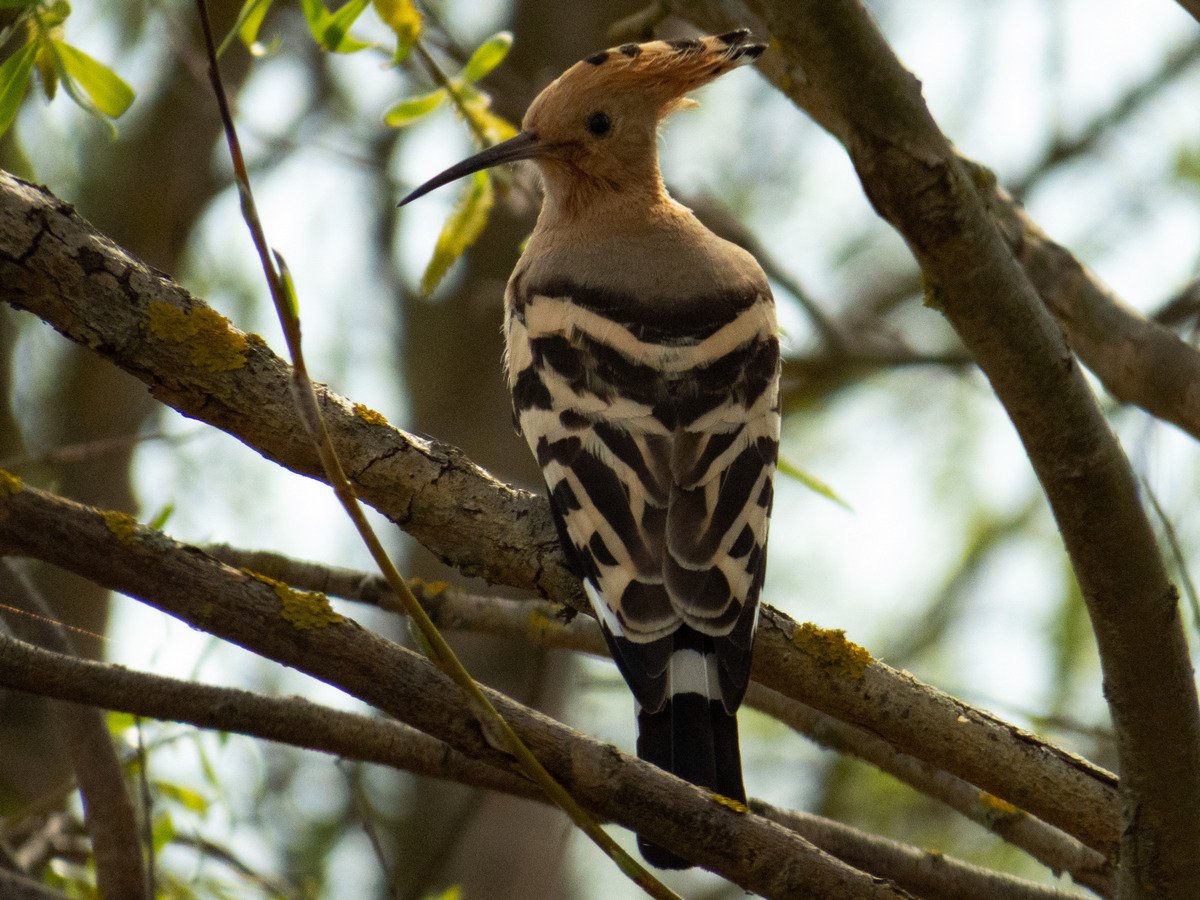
304	609
831	651
428	589
10	484
123	525
997	810
213	344
368	415
730	803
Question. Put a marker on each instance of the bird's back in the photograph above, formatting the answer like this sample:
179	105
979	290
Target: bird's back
644	371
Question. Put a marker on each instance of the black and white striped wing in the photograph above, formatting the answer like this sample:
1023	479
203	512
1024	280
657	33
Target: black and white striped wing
658	450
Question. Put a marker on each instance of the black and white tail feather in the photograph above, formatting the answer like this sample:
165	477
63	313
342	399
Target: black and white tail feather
656	426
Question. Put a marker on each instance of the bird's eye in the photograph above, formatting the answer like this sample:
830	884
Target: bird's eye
599	124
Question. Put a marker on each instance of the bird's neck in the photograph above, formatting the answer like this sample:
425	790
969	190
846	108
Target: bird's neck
582	204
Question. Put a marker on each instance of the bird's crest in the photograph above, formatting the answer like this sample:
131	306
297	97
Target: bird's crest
663	70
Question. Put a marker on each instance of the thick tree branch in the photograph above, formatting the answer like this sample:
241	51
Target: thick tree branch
299	723
53	264
107	810
1138	360
301	631
537	623
837	66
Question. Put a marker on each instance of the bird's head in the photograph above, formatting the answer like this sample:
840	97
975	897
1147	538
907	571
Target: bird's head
593	129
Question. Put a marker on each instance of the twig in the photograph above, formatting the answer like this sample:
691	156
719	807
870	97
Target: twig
442	80
301	631
912	177
304	724
1048	845
366	818
308	406
1177	554
469	519
226	856
1064	149
73	453
18	887
928	874
107	809
535	622
147	802
1139	360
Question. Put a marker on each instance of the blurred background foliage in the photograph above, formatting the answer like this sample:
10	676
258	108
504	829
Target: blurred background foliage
942	559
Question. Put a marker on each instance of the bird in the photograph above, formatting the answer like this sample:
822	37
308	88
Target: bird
642	354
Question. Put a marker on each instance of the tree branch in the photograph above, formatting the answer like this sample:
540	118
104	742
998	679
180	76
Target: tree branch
299	723
1138	360
928	874
537	623
836	65
56	266
107	810
301	631
18	887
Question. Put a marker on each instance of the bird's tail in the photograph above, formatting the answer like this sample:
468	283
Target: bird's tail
694	738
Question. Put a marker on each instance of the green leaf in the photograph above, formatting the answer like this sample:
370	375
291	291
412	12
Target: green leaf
288	285
110	94
495	128
405	21
163	832
408	111
14	82
487	56
48	64
119	723
54	14
461	230
159	521
331	31
189	798
16	4
810	481
249	21
1187	164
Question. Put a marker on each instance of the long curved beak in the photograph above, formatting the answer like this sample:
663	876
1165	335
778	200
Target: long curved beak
522	146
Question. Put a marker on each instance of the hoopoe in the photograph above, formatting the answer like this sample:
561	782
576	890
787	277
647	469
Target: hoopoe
643	359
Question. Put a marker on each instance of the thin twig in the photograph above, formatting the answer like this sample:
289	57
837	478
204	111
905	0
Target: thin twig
494	726
147	801
108	811
915	181
477	523
366	818
537	622
304	724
